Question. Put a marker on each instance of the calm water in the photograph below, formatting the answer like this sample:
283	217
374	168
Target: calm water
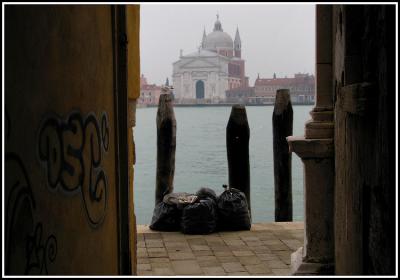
201	157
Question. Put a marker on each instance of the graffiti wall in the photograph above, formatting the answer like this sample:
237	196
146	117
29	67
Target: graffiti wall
61	153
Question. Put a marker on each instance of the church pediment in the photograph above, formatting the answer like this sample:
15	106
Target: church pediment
199	63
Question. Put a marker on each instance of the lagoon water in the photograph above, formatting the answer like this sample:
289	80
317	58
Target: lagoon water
201	157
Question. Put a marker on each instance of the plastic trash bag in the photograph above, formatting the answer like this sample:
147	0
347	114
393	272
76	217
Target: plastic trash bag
168	213
166	217
205	193
201	216
233	210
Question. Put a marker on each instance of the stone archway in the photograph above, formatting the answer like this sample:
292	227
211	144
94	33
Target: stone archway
199	89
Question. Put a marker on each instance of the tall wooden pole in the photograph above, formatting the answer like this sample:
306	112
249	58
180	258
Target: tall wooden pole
237	144
282	123
166	146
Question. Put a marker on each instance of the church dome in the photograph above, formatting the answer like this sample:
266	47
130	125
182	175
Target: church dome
218	38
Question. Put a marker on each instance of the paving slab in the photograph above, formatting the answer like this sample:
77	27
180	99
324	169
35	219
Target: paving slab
261	249
163	271
203	253
233	267
258	269
267	256
181	256
208	263
248	260
200	247
214	271
242	253
143	260
159	260
144	266
186	267
276	264
161	265
281	271
222	253
227	259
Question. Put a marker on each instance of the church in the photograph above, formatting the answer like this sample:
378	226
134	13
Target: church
204	75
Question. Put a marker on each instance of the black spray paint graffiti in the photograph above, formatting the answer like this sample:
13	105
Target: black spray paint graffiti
39	254
71	151
104	131
22	237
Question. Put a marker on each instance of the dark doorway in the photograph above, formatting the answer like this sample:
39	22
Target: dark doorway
200	90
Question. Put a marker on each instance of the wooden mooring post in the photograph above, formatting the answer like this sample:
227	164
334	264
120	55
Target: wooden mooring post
282	123
166	146
237	145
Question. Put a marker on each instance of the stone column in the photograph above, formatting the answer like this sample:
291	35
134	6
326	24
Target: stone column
317	254
321	124
316	151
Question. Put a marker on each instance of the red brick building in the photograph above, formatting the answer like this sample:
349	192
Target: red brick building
302	88
149	93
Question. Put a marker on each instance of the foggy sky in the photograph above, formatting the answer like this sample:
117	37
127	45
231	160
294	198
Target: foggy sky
276	38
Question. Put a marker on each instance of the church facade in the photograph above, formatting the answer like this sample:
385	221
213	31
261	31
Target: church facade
204	75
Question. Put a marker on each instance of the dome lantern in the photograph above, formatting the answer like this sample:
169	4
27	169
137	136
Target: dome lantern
218	25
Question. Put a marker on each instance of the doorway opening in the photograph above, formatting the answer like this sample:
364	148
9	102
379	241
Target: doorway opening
199	89
210	70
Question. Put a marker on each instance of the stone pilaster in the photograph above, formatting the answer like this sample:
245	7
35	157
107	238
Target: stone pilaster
316	150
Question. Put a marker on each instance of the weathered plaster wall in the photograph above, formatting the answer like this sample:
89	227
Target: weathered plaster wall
61	190
364	97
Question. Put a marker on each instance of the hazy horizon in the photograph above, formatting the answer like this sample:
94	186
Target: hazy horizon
276	38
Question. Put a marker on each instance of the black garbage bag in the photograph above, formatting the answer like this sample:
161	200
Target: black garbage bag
205	193
166	217
233	210
200	217
168	213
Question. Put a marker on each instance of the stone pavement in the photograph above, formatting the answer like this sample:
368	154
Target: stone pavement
264	250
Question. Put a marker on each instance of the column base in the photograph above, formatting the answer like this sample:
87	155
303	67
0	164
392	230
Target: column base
300	267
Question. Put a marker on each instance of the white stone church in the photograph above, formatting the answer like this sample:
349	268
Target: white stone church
204	75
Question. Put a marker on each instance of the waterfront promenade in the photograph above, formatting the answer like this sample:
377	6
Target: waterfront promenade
264	250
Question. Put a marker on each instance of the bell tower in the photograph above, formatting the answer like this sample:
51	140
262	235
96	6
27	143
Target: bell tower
237	44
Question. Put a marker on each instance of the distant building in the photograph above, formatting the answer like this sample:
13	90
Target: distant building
204	75
143	80
302	88
149	93
242	95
